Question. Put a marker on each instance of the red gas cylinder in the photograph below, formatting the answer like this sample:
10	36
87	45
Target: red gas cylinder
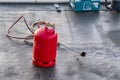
44	47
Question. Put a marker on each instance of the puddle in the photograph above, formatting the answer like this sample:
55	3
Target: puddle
115	37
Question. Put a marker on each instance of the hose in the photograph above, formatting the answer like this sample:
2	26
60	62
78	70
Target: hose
32	30
83	54
9	29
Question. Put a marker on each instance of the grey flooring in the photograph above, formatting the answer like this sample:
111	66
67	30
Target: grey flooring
96	33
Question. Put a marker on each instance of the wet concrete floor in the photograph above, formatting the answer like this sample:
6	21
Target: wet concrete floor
96	33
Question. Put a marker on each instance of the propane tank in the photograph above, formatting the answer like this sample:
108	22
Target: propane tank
44	47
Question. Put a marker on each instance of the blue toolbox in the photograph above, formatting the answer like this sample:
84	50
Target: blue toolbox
85	5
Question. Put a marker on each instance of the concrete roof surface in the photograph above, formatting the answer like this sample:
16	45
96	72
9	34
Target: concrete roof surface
96	33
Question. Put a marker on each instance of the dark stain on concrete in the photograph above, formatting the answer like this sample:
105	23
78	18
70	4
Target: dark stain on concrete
115	37
10	72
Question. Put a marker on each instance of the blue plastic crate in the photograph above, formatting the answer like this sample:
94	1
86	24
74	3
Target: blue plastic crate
85	5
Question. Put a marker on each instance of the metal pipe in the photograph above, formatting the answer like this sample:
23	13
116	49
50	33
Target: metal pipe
34	1
52	1
17	1
38	1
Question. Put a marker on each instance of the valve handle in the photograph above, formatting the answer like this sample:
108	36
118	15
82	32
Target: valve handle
47	24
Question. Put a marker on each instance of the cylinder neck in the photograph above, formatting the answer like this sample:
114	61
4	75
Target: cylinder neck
49	30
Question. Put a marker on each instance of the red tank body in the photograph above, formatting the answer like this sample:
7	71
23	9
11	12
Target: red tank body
44	47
